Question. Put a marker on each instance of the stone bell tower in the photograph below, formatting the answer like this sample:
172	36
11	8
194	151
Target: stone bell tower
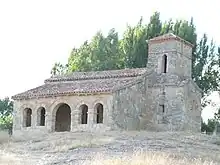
170	54
172	92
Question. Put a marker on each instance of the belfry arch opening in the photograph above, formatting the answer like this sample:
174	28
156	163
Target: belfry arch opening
84	114
27	117
63	118
99	113
164	63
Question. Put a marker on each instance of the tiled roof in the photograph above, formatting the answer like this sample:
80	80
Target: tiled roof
170	36
83	82
99	75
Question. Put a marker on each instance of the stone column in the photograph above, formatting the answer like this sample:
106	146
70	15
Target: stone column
33	118
94	113
74	119
90	116
108	114
49	121
17	120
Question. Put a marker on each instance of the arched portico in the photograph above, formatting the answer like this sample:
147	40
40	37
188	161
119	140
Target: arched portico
27	117
84	114
41	112
98	117
61	118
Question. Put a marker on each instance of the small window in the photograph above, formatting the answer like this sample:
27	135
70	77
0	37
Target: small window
164	63
162	108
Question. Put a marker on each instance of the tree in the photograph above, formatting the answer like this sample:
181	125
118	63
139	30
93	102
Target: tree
6	108
59	69
102	53
210	126
133	46
205	66
131	51
217	115
203	126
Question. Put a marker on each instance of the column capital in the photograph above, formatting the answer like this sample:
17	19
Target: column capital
90	111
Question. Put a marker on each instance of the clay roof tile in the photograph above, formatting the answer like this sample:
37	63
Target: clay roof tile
82	82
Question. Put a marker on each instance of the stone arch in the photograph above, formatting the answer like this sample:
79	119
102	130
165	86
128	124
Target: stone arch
27	117
56	103
99	110
41	114
80	103
97	102
83	114
61	118
24	106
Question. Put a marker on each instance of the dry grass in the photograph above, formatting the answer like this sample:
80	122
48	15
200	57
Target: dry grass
217	141
4	137
150	158
66	142
9	159
138	158
115	148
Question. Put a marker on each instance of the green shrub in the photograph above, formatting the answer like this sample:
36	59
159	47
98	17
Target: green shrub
210	126
6	123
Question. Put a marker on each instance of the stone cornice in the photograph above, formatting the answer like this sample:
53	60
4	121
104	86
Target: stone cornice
167	37
60	95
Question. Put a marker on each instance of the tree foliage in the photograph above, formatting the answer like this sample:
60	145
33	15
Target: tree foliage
131	51
6	108
217	115
210	126
59	69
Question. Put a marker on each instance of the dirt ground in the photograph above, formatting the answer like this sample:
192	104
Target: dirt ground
80	148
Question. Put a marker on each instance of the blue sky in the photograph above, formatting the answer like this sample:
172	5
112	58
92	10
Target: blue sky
36	33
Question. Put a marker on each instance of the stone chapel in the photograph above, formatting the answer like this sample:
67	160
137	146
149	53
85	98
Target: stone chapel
160	97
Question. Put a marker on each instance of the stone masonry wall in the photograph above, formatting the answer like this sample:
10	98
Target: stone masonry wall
172	116
51	105
128	104
193	107
139	106
171	89
179	57
177	96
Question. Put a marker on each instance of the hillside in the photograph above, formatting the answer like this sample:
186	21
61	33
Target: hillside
115	148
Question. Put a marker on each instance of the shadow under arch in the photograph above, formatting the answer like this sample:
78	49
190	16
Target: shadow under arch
41	112
27	117
99	110
61	118
83	114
